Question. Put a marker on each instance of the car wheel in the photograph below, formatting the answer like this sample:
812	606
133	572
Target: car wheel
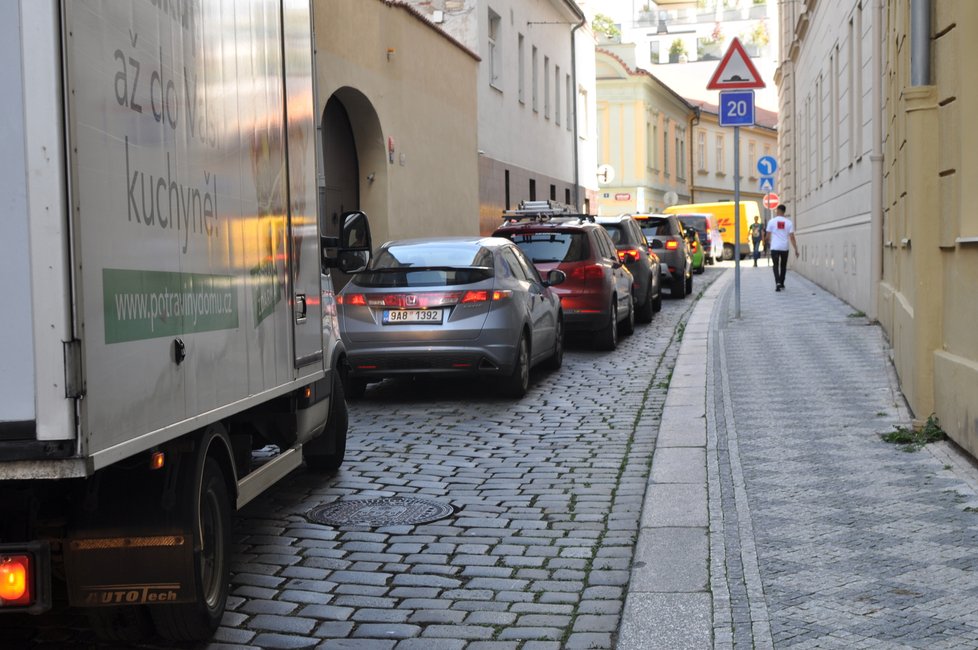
608	335
556	359
728	252
628	323
647	309
701	267
519	380
689	285
679	287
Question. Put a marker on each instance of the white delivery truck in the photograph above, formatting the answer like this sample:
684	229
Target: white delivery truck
168	342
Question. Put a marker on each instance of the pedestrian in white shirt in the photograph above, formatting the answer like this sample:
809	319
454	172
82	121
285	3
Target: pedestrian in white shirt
780	233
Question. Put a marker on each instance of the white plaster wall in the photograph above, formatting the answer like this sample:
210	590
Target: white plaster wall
828	145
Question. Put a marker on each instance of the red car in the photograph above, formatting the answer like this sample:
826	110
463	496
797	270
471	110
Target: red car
597	294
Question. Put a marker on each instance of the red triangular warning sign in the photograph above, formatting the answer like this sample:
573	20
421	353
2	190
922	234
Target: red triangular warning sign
735	71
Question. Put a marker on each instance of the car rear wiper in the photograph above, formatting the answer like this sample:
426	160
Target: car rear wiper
412	269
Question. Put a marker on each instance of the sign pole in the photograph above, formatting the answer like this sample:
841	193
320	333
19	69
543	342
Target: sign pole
736	171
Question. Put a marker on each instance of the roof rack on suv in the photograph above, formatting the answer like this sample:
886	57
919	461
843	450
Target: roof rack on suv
544	211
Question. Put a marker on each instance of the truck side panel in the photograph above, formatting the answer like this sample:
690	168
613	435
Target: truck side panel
180	197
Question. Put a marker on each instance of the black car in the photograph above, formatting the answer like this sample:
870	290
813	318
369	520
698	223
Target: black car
634	250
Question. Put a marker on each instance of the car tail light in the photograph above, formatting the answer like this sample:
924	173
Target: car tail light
15	580
695	247
484	295
672	245
352	299
587	272
629	255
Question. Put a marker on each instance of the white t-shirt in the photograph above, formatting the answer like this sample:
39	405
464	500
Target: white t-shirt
780	228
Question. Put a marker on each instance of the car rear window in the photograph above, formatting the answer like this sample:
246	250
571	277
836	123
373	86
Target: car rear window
427	265
694	222
616	232
553	245
656	227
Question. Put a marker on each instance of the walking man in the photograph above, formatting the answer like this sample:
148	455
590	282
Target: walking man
756	234
780	232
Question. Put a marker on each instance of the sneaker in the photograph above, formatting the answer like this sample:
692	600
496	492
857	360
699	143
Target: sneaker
777	287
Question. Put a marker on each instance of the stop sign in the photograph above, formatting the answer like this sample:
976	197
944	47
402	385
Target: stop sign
770	201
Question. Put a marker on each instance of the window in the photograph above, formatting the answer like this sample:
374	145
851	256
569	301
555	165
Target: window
553	192
521	56
583	119
681	154
535	78
701	151
649	142
506	172
533	189
570	99
557	95
654	51
495	64
653	147
751	158
721	166
665	148
546	87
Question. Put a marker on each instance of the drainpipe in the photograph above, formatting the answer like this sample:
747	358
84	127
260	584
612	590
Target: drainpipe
919	42
577	162
876	164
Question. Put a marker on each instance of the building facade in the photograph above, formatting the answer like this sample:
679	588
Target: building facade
712	156
396	140
535	97
830	144
929	225
881	158
643	137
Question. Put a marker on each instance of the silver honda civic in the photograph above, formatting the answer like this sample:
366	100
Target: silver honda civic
451	305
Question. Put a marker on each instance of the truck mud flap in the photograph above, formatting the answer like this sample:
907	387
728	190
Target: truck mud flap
146	570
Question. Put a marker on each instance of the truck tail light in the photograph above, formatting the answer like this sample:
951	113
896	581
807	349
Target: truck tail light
15	580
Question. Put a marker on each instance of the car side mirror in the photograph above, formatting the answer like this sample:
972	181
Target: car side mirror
354	243
555	277
722	230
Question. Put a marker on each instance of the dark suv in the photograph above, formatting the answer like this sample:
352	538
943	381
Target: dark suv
665	230
597	293
635	252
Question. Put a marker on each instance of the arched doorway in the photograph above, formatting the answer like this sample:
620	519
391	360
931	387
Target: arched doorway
354	162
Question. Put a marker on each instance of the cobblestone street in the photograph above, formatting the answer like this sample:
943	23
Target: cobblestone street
714	483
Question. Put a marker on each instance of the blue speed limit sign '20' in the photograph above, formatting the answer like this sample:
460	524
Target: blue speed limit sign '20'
737	108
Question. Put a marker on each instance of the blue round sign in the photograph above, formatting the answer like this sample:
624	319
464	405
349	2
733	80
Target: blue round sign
767	165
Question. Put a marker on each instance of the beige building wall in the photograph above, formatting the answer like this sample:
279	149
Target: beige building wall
643	136
527	95
712	148
827	152
410	92
930	226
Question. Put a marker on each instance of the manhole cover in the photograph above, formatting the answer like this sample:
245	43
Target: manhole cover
384	511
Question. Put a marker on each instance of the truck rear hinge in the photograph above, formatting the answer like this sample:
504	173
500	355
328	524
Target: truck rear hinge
74	386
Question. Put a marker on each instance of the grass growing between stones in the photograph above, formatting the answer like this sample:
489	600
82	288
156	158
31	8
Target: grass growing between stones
915	439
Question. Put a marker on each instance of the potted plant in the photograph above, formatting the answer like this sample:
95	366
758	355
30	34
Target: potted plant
677	50
709	48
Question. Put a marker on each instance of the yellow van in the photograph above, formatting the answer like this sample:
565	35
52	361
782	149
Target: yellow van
724	213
